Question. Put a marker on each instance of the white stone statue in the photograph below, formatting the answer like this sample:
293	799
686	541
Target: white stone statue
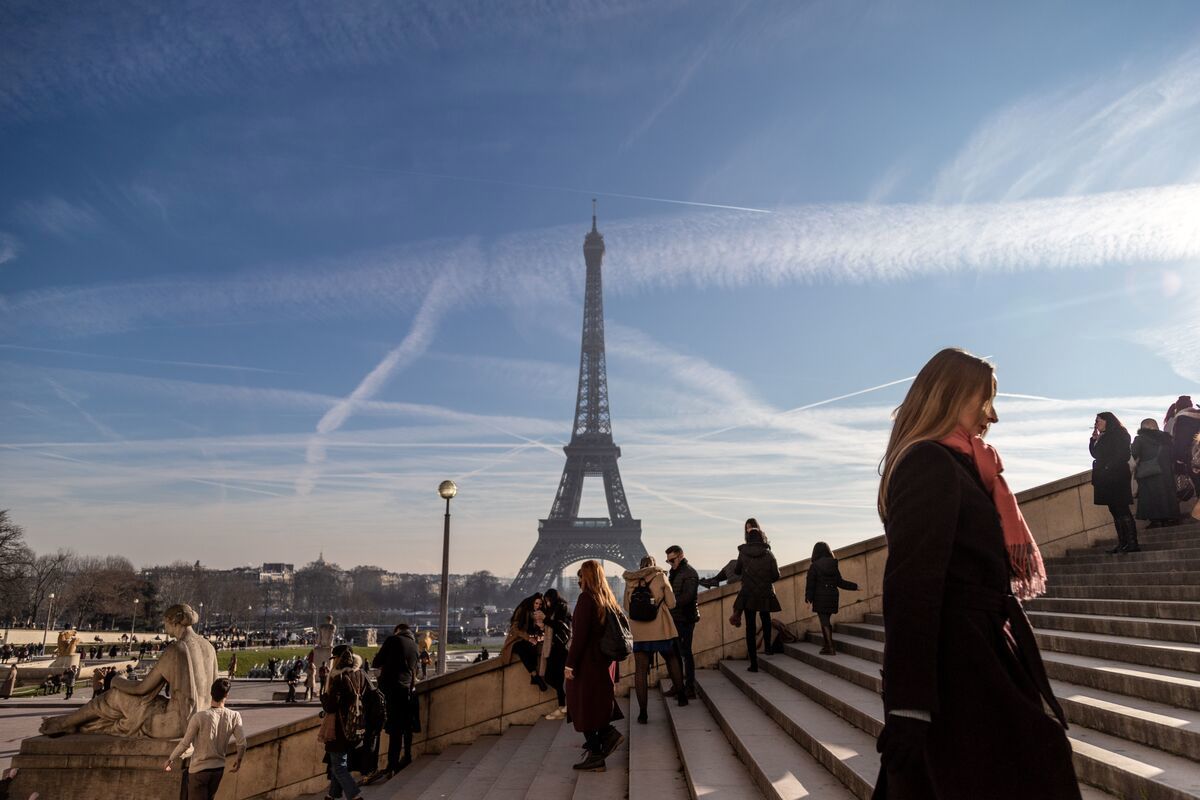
326	633
135	708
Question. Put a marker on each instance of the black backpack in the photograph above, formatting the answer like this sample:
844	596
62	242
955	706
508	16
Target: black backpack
616	643
642	607
374	708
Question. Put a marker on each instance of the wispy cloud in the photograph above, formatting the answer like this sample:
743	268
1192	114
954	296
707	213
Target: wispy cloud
837	243
8	247
1134	126
163	362
142	49
70	399
59	217
410	348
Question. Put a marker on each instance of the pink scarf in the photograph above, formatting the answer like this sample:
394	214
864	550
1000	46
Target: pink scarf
1028	573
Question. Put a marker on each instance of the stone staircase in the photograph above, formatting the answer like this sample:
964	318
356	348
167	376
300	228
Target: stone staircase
1120	637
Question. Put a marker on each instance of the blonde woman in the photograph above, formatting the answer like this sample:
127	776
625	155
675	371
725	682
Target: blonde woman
964	684
655	633
592	678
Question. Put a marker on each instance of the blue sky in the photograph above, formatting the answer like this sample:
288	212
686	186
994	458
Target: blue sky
268	274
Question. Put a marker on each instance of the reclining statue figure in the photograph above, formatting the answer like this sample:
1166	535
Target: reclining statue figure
134	708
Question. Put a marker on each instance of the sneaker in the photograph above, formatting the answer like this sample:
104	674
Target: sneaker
558	713
642	718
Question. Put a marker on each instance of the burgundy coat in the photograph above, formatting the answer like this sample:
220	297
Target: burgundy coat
948	651
591	698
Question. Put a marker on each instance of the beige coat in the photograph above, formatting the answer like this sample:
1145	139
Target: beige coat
663	627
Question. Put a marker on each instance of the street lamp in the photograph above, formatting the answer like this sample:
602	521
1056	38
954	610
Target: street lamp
446	490
133	622
46	632
202	628
249	614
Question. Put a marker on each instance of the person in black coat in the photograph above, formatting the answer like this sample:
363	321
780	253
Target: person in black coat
821	591
759	570
558	637
397	665
1153	450
964	688
1110	478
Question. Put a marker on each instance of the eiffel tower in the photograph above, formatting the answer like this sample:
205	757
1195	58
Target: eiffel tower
564	537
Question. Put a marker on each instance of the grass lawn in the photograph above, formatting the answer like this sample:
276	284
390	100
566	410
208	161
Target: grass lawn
248	658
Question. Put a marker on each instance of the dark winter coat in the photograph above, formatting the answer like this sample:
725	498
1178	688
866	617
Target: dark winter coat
397	660
1186	425
1156	493
821	588
685	582
591	698
947	650
758	570
1110	469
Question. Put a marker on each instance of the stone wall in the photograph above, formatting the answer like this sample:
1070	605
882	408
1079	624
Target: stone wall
282	762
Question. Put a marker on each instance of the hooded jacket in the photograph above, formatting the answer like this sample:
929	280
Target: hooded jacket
343	685
1156	499
757	566
663	626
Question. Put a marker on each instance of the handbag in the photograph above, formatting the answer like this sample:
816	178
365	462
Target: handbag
1148	469
1184	490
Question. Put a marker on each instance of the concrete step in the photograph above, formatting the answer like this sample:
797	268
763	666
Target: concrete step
843	750
551	778
1150	552
1108	625
1116	765
415	782
1168	593
655	771
400	786
780	765
613	783
523	764
1133	627
1184	571
1162	610
446	784
1146	652
1165	727
483	777
1170	539
1172	687
710	766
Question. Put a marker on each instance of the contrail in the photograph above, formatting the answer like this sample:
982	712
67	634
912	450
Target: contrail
201	364
798	409
525	185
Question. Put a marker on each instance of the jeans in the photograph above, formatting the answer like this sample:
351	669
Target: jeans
340	779
686	630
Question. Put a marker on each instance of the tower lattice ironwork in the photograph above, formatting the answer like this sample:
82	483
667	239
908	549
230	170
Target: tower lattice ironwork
564	537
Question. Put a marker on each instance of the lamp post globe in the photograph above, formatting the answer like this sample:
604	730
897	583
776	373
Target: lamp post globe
446	490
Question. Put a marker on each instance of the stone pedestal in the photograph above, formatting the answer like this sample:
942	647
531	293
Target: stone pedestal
86	765
321	656
62	662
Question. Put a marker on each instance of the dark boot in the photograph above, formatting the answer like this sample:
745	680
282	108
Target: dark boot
1119	524
1131	536
827	634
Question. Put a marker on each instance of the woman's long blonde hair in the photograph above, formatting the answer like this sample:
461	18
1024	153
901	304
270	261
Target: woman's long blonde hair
944	386
593	582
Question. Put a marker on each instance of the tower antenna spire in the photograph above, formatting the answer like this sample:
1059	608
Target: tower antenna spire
593	213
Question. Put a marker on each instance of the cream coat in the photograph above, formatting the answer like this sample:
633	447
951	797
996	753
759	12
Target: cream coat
663	627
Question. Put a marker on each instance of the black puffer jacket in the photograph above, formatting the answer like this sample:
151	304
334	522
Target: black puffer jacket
757	566
1110	470
821	589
